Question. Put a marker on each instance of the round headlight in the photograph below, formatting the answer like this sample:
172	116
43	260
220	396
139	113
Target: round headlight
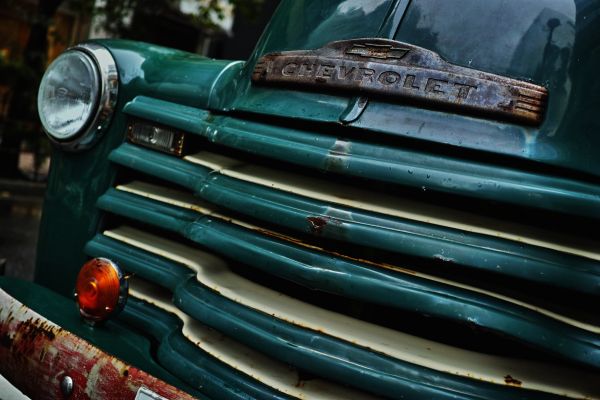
77	96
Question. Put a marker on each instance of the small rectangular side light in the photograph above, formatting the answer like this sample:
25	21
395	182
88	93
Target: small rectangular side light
159	138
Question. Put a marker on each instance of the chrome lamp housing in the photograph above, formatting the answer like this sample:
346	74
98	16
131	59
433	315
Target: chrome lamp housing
78	95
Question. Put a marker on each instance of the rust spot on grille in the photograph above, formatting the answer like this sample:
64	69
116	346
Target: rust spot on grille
509	380
317	224
299	242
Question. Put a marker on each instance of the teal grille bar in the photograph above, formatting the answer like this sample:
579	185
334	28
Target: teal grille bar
376	162
352	279
396	235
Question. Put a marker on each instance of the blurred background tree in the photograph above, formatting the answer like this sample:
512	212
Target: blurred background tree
33	32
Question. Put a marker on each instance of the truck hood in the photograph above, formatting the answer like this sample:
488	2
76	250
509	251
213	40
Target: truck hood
547	42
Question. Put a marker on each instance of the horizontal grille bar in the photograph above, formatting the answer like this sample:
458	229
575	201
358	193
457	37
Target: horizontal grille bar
312	268
252	314
374	162
220	361
327	210
190	362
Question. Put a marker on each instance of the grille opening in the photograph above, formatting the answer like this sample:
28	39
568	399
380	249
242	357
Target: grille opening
127	175
422	145
575	304
113	221
562	301
459	334
580	306
146	313
577	227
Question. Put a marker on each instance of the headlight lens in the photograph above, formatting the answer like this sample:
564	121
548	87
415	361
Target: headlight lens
68	95
78	95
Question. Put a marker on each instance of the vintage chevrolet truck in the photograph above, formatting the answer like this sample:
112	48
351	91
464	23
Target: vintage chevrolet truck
389	199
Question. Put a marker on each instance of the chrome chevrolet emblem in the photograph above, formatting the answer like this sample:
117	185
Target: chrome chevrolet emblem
382	51
381	67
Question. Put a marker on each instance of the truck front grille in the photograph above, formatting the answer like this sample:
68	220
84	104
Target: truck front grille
239	266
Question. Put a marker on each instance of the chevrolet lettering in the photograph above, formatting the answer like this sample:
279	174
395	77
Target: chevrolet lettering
381	67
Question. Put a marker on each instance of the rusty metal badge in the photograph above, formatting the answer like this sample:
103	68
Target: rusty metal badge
382	67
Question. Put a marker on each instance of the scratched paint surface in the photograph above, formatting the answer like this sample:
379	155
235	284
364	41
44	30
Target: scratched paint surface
36	354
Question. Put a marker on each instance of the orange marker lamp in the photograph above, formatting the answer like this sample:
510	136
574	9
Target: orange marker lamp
101	290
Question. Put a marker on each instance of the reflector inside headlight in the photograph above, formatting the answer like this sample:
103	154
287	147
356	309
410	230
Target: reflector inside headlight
68	95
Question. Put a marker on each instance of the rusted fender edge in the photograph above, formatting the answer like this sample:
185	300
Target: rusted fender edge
36	354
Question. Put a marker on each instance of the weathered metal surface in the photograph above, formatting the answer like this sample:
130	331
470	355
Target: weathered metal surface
36	356
399	234
383	284
548	42
222	364
358	158
69	217
335	347
399	70
569	59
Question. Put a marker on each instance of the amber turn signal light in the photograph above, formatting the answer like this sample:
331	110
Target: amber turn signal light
100	290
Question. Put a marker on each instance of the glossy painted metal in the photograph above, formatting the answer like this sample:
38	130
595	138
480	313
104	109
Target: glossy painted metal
193	94
384	285
224	367
188	361
550	43
510	255
181	78
362	159
76	180
285	337
41	359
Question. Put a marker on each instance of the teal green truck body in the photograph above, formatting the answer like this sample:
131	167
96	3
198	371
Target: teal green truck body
373	217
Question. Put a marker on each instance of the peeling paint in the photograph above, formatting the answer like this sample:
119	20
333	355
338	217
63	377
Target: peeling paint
317	224
509	380
33	349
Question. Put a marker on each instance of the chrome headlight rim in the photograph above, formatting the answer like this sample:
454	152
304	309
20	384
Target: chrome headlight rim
105	102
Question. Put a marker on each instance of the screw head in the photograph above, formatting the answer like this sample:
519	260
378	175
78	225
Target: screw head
66	386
